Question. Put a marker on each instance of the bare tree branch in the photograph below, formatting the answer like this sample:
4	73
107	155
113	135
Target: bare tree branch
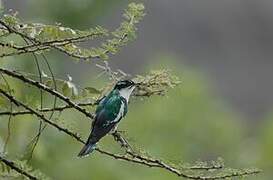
47	89
41	46
59	108
13	166
10	116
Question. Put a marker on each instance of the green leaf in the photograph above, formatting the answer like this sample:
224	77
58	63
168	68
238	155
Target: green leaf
66	90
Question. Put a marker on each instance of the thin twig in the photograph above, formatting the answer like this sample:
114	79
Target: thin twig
41	129
10	116
47	89
13	166
36	113
59	108
40	46
36	139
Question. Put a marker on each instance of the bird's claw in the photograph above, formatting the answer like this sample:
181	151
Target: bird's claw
123	142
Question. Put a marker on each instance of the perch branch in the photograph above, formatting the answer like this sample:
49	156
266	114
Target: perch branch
131	157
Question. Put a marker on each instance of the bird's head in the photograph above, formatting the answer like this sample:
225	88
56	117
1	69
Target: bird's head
124	84
125	88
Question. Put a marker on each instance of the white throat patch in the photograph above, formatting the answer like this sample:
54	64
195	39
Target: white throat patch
126	92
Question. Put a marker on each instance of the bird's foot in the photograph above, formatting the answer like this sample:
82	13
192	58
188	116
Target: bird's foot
123	142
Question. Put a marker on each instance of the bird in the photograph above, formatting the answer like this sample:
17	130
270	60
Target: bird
109	112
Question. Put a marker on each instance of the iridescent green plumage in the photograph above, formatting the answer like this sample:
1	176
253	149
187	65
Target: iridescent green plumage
111	105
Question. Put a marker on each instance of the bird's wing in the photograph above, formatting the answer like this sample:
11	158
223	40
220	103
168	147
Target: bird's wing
107	116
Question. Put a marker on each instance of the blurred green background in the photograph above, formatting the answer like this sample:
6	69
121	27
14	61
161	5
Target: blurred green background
223	107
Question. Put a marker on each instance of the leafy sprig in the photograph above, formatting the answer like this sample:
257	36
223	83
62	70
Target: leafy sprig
64	39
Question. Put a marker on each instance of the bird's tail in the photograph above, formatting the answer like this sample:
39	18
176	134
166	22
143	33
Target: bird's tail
87	149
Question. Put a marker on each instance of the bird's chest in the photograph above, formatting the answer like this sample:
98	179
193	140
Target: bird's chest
120	111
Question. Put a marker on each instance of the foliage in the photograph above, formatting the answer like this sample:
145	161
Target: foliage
47	37
156	83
